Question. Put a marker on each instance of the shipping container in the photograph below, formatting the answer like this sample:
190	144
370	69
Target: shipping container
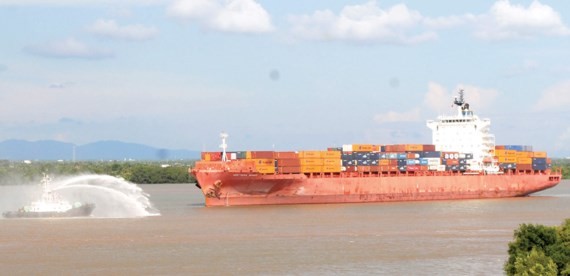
347	163
332	162
311	162
430	154
384	162
540	154
332	169
451	162
286	155
524	167
524	160
539	160
505	153
428	147
507	159
331	154
362	147
265	169
413	147
311	169
524	154
363	168
289	169
288	162
264	162
310	154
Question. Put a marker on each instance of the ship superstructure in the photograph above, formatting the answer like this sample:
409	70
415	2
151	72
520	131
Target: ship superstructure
465	132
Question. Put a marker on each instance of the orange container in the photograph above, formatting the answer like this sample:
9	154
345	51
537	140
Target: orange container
265	169
384	162
262	155
310	154
507	159
540	154
505	153
331	154
362	147
524	160
330	169
523	154
331	162
452	162
264	162
311	169
414	147
311	162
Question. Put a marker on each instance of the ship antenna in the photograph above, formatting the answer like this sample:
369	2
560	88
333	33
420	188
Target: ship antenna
461	100
224	146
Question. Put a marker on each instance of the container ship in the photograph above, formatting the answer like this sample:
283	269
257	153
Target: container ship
463	162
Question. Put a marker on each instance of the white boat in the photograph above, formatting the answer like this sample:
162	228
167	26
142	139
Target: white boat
51	205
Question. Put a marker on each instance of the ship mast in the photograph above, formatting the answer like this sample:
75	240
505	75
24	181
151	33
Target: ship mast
224	146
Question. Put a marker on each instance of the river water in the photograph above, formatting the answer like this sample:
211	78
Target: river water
468	237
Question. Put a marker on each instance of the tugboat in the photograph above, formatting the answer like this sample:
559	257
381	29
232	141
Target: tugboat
51	205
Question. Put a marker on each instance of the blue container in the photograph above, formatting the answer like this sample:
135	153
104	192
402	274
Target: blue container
402	156
402	162
423	162
462	161
538	160
392	155
430	154
374	162
469	156
346	156
403	168
412	161
374	156
363	162
383	155
346	163
505	166
540	167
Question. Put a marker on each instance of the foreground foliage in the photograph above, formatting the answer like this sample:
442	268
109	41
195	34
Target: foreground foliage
540	250
136	172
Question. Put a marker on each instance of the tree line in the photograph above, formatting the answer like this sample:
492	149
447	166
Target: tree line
13	172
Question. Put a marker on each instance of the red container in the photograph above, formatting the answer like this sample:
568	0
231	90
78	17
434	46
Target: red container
413	168
363	168
288	162
452	162
429	147
350	169
262	155
285	155
524	167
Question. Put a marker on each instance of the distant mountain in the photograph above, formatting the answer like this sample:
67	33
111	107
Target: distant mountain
102	150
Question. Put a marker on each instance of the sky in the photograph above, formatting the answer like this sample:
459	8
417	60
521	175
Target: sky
281	75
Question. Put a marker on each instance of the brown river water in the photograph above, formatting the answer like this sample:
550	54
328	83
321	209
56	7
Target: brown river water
461	237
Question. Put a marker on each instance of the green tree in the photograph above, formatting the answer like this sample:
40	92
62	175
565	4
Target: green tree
535	263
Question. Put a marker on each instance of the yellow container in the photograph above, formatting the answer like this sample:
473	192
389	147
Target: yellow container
331	154
507	159
331	162
264	162
384	162
265	169
505	153
311	169
540	154
310	154
248	155
331	168
524	160
362	147
311	162
414	147
525	154
207	157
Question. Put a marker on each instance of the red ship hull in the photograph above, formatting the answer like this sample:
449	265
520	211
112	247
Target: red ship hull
223	187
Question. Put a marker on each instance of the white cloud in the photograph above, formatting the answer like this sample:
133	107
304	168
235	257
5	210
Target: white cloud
367	22
68	48
510	21
392	116
238	16
437	98
555	97
110	29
